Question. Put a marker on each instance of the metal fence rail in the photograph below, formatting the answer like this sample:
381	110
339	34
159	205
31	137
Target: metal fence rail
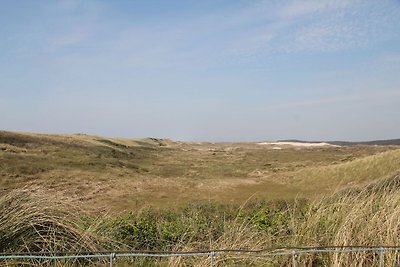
293	252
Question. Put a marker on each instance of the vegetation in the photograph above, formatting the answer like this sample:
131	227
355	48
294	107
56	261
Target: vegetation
33	221
121	175
73	193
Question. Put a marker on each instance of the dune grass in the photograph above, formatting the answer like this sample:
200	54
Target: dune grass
33	222
77	193
367	215
119	175
355	172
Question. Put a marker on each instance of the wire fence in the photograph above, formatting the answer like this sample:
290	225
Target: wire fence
293	252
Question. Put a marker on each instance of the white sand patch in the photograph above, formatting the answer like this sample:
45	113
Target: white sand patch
297	144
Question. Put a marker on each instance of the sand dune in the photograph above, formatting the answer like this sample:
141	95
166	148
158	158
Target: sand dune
301	144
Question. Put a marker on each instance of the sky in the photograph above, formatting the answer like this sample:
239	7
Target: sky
210	70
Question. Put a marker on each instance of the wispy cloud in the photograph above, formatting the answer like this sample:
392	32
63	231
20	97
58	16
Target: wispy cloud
157	62
306	7
320	26
259	29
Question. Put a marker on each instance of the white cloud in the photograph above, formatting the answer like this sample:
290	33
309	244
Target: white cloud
305	7
256	30
327	37
319	26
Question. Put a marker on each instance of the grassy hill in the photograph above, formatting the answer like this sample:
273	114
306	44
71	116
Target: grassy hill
116	174
81	192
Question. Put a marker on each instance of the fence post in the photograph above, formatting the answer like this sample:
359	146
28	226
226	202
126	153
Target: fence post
212	253
293	258
112	257
381	257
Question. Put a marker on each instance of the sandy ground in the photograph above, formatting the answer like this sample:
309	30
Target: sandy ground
299	144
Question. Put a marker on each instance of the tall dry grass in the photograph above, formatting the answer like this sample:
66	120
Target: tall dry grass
33	221
362	216
352	173
236	236
367	216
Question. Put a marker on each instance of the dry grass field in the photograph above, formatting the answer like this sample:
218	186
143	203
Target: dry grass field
81	192
117	175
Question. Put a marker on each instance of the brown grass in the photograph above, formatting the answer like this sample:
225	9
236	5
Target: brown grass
361	216
119	175
33	221
355	193
365	216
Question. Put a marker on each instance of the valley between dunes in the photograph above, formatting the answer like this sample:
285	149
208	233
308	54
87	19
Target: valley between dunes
117	175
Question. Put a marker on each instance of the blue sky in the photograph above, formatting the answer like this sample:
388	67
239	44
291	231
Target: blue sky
202	70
